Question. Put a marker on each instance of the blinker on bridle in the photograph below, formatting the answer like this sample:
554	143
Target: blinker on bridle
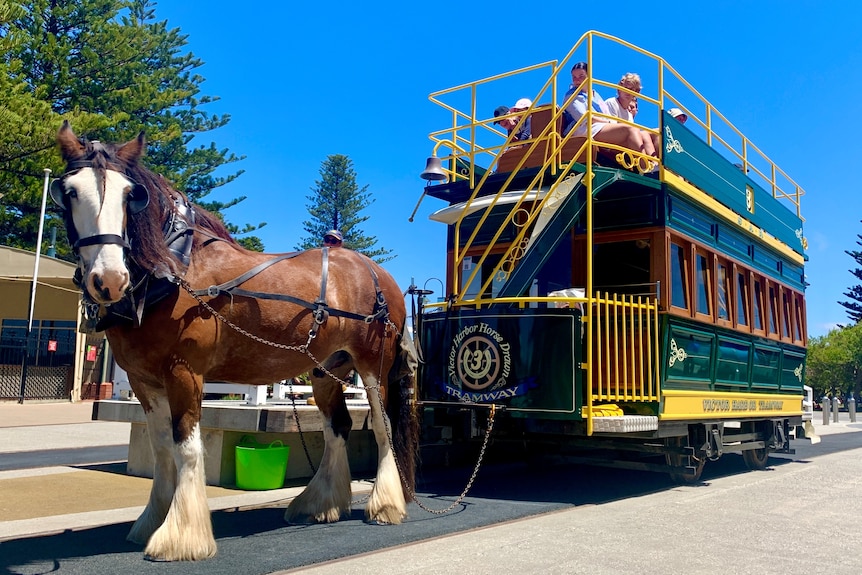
137	200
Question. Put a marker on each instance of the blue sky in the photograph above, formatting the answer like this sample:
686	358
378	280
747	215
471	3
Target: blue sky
303	80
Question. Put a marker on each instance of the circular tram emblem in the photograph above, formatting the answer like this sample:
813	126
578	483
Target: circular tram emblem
478	362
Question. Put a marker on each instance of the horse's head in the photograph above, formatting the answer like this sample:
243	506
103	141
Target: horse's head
97	196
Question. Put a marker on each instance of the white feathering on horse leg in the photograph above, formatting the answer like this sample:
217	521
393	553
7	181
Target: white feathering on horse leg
386	504
164	472
327	496
186	533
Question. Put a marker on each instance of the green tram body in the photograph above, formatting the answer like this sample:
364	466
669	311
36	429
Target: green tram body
665	319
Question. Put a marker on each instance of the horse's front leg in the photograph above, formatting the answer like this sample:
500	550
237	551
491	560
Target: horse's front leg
158	417
186	532
327	496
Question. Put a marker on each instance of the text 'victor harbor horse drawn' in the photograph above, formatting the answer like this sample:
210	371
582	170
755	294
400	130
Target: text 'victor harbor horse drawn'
241	316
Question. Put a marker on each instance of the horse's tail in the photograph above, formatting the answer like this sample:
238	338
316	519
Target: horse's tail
401	409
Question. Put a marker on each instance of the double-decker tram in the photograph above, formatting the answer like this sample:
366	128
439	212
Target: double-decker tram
646	309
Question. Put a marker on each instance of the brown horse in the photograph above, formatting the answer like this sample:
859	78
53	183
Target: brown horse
326	311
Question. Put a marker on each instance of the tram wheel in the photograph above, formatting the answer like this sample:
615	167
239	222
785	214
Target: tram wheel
756	459
677	460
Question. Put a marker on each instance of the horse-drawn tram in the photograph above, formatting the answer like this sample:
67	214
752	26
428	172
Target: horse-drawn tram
603	297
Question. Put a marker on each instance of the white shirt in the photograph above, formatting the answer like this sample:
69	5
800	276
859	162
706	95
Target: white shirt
617	110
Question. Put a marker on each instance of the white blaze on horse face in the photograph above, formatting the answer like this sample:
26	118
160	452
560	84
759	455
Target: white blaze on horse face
106	276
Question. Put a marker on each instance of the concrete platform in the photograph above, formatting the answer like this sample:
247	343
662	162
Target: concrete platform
224	424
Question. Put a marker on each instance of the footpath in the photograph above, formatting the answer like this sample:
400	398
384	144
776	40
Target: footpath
61	470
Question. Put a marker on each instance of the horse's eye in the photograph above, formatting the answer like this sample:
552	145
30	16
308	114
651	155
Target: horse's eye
73	193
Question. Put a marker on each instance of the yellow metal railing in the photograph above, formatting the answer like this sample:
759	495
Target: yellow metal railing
626	355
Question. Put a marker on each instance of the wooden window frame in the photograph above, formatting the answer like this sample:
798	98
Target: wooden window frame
685	250
728	291
745	298
773	310
757	311
800	315
707	284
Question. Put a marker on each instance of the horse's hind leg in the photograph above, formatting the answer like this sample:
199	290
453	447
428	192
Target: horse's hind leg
186	532
386	503
327	496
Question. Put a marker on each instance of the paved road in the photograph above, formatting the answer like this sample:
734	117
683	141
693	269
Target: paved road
553	519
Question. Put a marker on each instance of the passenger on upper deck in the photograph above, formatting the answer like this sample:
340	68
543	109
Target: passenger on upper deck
620	105
509	124
678	114
603	130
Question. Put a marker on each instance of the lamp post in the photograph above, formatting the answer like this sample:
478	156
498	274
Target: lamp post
32	304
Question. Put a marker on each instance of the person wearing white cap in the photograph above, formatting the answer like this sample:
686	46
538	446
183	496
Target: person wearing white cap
680	116
509	123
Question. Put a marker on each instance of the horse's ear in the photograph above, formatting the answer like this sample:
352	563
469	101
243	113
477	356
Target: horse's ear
132	151
70	146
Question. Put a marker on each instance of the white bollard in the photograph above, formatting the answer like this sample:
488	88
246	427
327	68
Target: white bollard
835	407
824	405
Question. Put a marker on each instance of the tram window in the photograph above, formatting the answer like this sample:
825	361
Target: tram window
757	306
741	299
678	286
788	314
772	309
723	292
703	285
799	324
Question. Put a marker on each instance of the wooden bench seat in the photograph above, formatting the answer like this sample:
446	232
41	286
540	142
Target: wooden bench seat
539	119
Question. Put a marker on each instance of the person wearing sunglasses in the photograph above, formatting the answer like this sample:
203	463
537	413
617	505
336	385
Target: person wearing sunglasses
333	239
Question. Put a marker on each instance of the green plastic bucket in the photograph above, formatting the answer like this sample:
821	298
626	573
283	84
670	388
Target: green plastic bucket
260	466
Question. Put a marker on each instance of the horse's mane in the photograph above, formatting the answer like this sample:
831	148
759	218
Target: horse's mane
145	229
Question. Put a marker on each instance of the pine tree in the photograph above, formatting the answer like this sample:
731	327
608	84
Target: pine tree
112	70
335	204
854	306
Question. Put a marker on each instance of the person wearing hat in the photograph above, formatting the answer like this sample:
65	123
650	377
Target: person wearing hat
678	114
333	239
509	123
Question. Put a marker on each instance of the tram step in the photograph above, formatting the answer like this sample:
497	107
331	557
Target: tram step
625	424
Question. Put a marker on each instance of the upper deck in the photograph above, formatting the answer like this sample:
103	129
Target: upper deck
707	162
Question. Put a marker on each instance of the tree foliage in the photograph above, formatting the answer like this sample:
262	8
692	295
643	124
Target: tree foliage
336	203
835	362
854	305
112	70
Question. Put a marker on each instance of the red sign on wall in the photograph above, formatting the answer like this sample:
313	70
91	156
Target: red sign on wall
91	353
52	345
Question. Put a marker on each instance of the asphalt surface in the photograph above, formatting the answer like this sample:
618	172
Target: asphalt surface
547	516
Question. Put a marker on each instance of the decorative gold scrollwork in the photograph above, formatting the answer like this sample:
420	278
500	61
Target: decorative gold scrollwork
673	145
632	161
676	353
798	372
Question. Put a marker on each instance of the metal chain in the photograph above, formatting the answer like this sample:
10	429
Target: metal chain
299	428
387	426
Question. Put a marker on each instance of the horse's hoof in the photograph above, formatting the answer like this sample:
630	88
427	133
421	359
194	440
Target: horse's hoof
156	559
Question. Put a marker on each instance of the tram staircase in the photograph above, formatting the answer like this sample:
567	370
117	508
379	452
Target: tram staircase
625	329
561	221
